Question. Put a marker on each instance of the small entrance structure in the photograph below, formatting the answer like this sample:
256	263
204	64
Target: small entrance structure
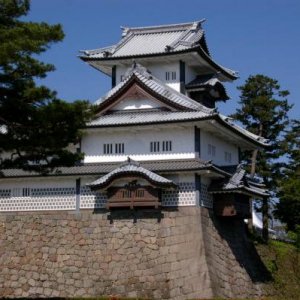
131	185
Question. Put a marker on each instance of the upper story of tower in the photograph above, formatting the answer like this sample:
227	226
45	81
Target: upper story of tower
176	54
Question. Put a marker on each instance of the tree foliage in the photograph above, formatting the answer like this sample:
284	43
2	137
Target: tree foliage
288	209
264	111
35	126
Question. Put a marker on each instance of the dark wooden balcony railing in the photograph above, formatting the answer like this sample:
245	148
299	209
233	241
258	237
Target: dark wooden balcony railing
133	197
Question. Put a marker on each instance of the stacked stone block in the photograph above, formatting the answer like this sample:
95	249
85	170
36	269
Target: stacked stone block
172	254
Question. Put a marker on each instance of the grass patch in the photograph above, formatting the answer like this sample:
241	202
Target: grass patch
283	261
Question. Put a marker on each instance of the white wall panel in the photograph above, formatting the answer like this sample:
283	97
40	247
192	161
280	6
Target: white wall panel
137	144
221	146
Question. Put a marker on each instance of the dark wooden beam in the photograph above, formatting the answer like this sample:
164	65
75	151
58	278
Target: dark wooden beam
113	76
197	141
78	194
182	76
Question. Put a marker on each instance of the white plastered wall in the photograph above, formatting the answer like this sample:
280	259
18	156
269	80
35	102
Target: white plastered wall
137	144
221	146
158	71
34	194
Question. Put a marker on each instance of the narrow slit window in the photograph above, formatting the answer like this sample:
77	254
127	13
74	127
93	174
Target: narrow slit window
167	76
154	146
211	150
228	157
119	148
26	192
166	146
107	148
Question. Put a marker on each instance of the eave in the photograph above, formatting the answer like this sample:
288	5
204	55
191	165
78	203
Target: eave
114	60
214	121
241	190
98	169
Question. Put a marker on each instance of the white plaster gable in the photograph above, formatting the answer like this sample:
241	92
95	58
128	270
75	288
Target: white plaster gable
136	98
137	103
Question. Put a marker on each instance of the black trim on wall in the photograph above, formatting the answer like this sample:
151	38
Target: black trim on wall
78	194
197	140
198	187
182	76
113	76
198	182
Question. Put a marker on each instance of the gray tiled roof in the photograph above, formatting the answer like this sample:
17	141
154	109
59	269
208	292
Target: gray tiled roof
149	40
146	117
244	131
130	168
104	168
157	40
239	182
143	76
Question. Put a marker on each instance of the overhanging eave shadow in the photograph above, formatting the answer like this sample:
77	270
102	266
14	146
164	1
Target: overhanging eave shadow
134	214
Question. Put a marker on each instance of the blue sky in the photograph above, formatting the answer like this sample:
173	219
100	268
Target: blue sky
252	37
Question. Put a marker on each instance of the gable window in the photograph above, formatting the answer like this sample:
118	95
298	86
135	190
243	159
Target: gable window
108	148
122	77
119	148
154	146
166	146
211	150
227	156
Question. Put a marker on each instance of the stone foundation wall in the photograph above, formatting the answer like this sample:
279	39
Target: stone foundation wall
235	268
175	254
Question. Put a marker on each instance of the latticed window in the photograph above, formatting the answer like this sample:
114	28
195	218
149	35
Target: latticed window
139	193
211	150
167	146
154	146
227	156
171	75
119	148
126	193
108	148
26	192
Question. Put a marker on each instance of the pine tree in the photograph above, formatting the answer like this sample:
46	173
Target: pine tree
288	208
263	111
35	126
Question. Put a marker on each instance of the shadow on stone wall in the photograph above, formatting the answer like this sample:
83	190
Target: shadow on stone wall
234	232
134	214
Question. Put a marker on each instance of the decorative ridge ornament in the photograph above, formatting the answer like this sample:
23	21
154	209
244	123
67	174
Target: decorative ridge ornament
130	162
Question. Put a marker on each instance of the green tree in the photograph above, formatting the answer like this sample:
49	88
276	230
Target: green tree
35	126
288	208
263	111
